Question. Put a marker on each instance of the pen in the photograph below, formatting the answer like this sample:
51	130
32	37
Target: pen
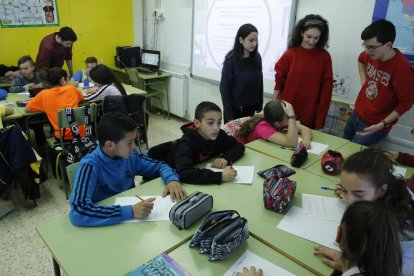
140	198
231	165
291	149
327	188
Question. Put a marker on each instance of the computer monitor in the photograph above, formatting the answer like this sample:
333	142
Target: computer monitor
150	59
129	56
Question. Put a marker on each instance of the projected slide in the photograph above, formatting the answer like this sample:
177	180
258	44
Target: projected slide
216	23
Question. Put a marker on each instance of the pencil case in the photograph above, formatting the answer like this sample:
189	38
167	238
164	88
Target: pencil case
186	212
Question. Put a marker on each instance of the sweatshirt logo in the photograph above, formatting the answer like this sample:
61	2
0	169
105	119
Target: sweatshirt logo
372	91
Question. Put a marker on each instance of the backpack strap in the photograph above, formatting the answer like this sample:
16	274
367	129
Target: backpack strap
72	123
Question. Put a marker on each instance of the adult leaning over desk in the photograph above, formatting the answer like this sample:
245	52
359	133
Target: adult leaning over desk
55	49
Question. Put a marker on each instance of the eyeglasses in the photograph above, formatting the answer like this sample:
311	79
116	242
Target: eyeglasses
371	48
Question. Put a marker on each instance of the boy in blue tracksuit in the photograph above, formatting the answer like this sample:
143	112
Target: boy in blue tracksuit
110	170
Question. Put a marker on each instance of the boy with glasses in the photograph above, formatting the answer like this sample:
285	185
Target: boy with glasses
387	82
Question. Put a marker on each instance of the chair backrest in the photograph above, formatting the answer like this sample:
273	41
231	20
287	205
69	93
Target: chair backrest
79	117
133	76
71	170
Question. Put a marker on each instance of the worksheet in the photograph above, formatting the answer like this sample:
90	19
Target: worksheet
244	173
249	259
322	207
161	211
398	171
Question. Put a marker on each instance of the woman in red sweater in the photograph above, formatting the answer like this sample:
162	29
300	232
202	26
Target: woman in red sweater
304	72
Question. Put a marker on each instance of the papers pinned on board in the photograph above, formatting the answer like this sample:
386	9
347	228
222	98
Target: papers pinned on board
244	173
161	211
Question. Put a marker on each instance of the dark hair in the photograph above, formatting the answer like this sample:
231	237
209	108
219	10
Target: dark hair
103	75
48	8
370	238
382	29
91	60
113	126
306	23
238	50
52	76
374	166
24	59
67	34
204	107
273	113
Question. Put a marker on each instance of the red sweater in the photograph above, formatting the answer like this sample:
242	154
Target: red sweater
52	54
304	78
389	86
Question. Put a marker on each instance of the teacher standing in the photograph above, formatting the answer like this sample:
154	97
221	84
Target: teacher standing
241	85
55	49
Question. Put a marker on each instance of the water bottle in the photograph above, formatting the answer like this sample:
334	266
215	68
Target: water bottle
86	83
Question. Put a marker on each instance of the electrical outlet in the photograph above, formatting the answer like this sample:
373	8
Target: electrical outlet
158	14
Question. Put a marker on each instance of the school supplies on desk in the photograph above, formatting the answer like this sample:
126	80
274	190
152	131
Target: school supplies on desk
249	259
160	265
322	207
299	156
278	193
162	207
315	147
277	171
244	173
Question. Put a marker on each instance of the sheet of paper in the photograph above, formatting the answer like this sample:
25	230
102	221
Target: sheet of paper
161	211
399	171
317	230
6	103
322	207
316	148
244	173
249	259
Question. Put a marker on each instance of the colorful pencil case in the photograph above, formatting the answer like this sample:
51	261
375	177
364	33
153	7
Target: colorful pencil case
188	211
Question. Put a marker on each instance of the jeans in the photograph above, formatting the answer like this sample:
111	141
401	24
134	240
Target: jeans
354	125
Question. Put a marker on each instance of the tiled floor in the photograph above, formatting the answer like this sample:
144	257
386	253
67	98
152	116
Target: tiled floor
22	252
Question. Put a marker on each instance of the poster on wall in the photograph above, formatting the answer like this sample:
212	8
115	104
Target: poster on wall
401	13
28	13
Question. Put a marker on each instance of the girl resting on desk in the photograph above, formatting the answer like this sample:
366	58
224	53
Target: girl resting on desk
106	82
277	125
368	175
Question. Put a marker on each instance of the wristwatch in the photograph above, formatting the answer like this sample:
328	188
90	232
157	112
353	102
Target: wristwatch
385	123
294	117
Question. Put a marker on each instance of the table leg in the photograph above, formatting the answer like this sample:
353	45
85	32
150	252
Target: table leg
56	267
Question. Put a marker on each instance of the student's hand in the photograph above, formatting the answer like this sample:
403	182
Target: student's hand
219	163
250	272
339	191
392	155
288	108
90	91
371	129
306	143
143	209
175	189
330	257
39	85
228	175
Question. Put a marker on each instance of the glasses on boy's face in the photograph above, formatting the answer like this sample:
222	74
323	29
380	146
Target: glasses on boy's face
370	47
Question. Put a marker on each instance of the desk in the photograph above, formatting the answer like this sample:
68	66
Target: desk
118	249
133	90
284	154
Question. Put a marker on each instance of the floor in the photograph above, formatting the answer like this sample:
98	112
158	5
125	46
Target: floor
22	251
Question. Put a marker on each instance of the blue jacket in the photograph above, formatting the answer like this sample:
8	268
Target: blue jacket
99	177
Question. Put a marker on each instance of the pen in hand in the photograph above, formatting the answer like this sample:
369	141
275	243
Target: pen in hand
327	188
140	198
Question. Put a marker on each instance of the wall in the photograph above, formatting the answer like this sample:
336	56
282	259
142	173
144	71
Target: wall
99	25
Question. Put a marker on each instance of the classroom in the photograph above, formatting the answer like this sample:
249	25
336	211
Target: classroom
290	181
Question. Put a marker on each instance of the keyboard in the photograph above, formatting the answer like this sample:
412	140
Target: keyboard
145	71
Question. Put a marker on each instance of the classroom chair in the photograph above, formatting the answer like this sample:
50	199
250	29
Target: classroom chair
62	125
71	171
151	93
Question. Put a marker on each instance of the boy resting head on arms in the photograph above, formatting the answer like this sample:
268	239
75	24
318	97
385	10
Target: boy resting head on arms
110	169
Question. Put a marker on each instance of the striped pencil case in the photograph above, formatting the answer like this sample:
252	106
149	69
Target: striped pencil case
192	208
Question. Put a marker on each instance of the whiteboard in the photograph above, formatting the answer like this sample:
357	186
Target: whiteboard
215	24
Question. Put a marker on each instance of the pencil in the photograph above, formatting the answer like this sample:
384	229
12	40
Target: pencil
140	198
231	165
327	188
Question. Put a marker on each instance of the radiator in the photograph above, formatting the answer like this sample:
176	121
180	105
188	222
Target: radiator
178	94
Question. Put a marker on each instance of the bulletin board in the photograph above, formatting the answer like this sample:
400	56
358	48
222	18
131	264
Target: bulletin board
28	13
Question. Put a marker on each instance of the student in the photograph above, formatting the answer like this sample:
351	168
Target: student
304	72
278	115
110	169
405	159
367	176
241	84
202	139
59	96
28	79
90	62
387	86
55	49
5	110
106	82
369	240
